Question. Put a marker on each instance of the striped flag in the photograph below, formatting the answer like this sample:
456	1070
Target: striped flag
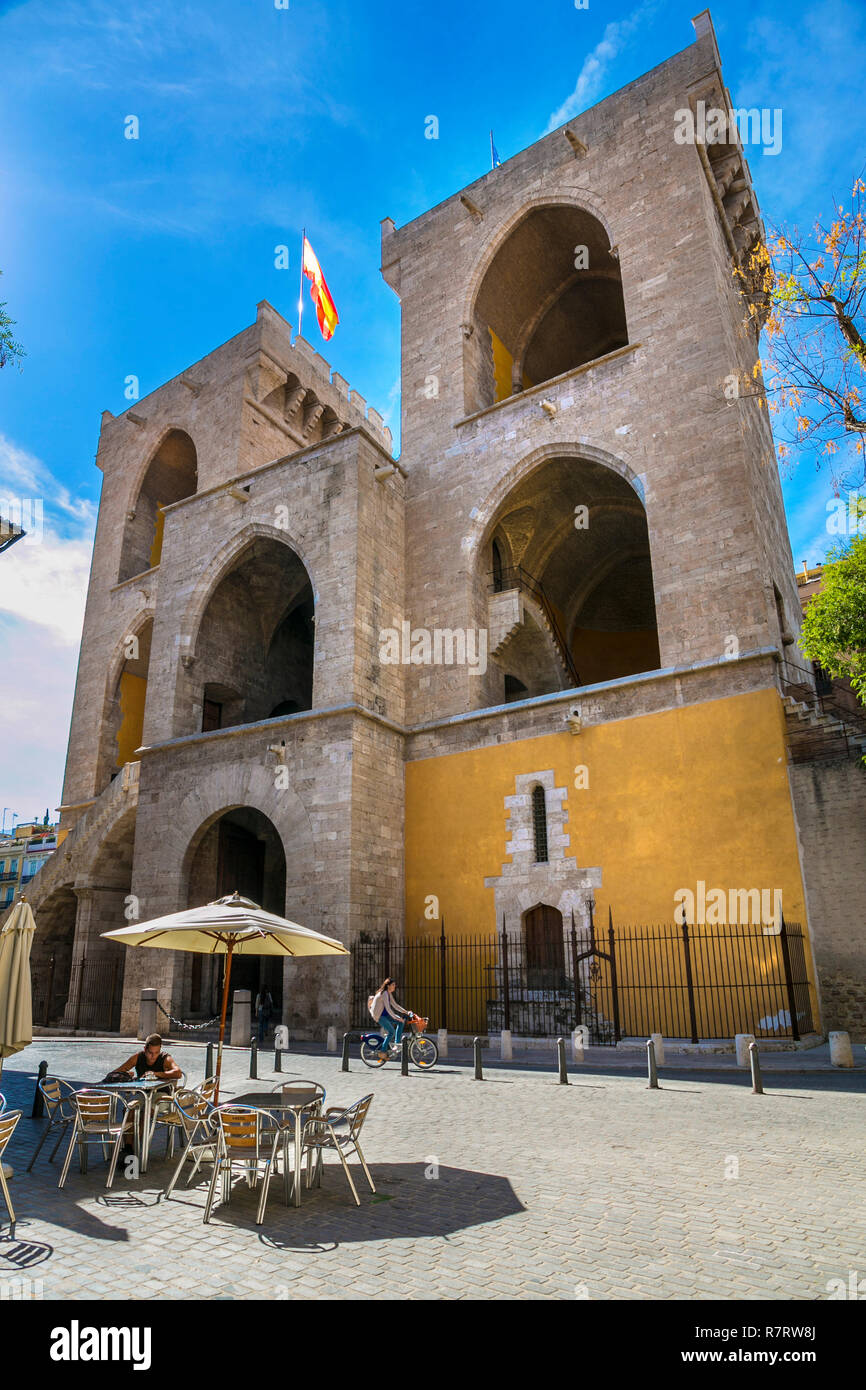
326	310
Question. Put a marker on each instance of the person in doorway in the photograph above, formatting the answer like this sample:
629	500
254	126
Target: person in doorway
264	1011
394	1017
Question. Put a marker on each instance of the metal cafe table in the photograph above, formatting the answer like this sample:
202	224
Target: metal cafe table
281	1106
149	1089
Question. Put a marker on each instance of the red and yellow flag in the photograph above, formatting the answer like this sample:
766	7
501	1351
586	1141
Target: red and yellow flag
326	311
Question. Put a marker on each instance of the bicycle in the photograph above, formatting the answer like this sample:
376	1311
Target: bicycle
423	1052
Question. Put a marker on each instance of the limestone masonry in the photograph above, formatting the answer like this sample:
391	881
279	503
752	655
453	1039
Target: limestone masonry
576	498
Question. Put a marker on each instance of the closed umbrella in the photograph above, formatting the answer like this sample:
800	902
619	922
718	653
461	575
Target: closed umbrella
16	1006
232	926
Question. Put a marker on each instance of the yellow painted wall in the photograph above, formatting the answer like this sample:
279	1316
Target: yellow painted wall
132	695
503	365
158	532
694	793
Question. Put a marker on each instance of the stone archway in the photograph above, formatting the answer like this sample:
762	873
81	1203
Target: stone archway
550	299
241	851
576	604
51	955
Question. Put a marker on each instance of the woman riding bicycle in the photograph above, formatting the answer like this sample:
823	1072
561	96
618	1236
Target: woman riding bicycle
393	1017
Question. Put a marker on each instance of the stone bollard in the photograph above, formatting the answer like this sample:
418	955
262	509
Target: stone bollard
742	1042
560	1060
652	1074
442	1042
476	1048
240	1018
755	1064
505	1052
658	1043
841	1053
331	1044
147	1013
579	1040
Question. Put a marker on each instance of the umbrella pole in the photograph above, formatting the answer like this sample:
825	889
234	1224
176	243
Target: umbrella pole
219	1065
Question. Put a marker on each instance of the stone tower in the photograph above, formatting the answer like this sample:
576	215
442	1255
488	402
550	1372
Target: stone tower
536	667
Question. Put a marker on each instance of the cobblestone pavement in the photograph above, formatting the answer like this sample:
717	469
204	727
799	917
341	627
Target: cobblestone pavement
514	1187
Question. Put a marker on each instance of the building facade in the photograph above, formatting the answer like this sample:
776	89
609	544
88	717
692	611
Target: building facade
535	670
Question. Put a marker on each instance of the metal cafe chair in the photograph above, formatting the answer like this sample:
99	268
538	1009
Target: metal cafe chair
60	1113
103	1118
194	1114
2	1103
338	1129
245	1136
8	1121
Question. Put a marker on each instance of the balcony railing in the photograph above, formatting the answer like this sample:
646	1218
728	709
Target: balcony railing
516	577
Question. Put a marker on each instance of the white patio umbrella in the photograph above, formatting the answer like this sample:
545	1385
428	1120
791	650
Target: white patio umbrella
232	926
16	1003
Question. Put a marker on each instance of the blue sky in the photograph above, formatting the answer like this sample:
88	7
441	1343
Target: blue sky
124	257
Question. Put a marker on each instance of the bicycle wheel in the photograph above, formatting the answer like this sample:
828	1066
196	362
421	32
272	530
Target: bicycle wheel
373	1055
423	1052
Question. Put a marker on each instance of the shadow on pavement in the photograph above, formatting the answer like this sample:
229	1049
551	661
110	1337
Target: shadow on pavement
406	1204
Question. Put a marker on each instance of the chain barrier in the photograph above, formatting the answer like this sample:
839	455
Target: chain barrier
179	1023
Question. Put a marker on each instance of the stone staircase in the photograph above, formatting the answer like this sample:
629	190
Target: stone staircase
73	854
506	618
814	733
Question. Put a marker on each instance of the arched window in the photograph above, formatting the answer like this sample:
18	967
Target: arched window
539	824
551	300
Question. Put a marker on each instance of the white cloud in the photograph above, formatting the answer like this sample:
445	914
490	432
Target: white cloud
592	75
43	578
38	681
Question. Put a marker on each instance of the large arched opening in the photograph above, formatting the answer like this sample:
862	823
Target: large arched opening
51	956
172	474
551	300
574	603
123	726
238	850
253	652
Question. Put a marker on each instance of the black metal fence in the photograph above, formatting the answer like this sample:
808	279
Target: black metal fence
693	982
87	996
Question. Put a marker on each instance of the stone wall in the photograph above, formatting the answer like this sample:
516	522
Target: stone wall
830	809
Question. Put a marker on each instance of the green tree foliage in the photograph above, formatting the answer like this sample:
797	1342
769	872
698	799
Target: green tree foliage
10	351
834	625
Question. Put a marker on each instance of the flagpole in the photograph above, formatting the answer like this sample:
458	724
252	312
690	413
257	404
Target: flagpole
301	295
492	163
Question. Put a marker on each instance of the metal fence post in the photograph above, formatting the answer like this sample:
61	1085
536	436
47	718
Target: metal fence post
757	1080
506	982
443	978
789	982
344	1065
690	986
560	1057
476	1045
38	1102
613	979
82	964
208	1061
254	1058
50	995
653	1076
278	1059
404	1056
575	970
